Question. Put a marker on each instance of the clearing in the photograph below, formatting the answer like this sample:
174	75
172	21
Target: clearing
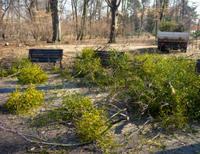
145	138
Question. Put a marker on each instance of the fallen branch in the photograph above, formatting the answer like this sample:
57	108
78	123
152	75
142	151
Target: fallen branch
114	115
10	76
139	129
42	142
156	136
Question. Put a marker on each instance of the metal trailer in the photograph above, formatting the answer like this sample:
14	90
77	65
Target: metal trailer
173	41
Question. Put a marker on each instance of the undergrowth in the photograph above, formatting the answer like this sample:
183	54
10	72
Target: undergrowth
15	67
168	86
88	67
32	74
24	101
91	123
165	88
26	72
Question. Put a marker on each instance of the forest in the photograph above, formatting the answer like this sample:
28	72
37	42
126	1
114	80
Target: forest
69	20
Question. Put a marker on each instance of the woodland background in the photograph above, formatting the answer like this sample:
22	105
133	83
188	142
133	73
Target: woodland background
69	20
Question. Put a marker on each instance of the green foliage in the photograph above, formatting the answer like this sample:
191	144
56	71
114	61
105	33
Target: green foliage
91	123
24	101
4	73
76	104
87	63
167	26
88	67
170	26
15	67
196	34
54	116
31	74
93	127
26	72
168	86
120	69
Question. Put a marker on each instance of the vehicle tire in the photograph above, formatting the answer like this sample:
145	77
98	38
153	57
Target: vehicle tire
163	49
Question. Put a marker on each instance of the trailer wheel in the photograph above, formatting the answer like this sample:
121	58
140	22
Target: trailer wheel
163	49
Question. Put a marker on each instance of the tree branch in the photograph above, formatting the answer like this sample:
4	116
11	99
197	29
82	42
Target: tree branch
109	3
42	142
118	3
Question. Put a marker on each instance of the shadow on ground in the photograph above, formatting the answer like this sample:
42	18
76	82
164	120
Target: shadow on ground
45	87
13	148
149	51
4	109
11	143
145	50
190	149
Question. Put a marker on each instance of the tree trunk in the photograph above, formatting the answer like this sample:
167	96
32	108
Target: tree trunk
99	9
55	21
83	21
141	20
1	19
113	4
75	14
112	28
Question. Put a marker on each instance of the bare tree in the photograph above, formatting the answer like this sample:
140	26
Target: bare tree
55	21
144	4
83	20
113	4
4	7
164	5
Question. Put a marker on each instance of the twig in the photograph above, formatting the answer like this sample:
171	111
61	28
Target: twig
139	129
10	76
114	115
42	142
155	136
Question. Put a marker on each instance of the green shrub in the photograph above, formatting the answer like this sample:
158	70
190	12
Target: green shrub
26	72
120	69
31	74
76	104
170	26
91	123
165	88
16	66
196	34
168	86
88	67
93	126
24	101
4	73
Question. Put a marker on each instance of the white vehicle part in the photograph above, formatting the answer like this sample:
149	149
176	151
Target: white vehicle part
173	35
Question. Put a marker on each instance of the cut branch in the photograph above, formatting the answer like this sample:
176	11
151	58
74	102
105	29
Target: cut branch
42	142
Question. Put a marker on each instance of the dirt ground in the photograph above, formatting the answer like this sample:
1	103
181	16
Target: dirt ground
145	138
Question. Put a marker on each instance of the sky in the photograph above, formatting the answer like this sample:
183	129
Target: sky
191	2
197	3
